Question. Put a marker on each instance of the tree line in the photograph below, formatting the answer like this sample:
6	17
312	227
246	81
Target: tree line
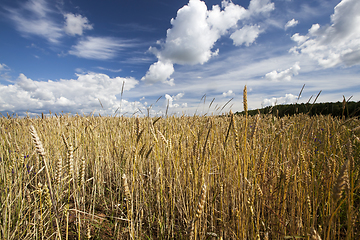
336	109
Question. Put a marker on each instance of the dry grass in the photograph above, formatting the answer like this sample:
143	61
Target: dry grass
209	177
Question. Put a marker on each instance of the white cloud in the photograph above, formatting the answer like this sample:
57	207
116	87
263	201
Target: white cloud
222	20
285	75
299	38
191	38
4	67
246	35
195	30
109	69
261	7
291	23
170	99
338	43
159	72
33	18
101	48
229	93
4	70
75	24
288	99
69	95
36	17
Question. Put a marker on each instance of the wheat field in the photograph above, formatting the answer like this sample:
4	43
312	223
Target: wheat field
188	177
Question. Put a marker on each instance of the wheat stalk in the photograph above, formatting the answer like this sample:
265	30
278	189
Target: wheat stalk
40	150
199	210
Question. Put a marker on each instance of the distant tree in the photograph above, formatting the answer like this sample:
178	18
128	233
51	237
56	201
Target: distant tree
337	109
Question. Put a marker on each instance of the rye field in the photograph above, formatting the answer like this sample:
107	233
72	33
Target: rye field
188	177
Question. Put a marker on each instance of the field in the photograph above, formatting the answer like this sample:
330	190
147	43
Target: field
198	177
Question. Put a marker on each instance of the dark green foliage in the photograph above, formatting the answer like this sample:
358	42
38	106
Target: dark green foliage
337	109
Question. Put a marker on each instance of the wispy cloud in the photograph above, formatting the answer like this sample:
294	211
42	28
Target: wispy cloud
101	48
4	70
109	69
135	27
4	67
39	18
35	17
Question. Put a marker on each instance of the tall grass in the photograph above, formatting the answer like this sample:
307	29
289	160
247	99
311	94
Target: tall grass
199	177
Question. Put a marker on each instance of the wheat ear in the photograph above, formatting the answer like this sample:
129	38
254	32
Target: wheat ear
245	100
342	182
314	234
40	150
199	210
126	187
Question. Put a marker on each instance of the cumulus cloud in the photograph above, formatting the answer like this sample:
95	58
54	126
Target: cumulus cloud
291	23
299	38
288	99
170	99
222	20
75	24
246	35
335	44
228	93
160	72
196	29
34	18
101	48
69	95
285	75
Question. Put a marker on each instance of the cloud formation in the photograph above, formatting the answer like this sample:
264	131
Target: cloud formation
170	99
80	95
288	99
195	30
101	48
229	93
37	17
4	70
34	18
246	35
3	67
76	24
338	43
285	75
291	23
160	72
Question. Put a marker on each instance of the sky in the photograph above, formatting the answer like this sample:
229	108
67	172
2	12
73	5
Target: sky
175	57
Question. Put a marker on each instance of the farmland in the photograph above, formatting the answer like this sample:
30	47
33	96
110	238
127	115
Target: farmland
188	177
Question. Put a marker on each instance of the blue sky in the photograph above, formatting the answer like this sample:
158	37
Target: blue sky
74	56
